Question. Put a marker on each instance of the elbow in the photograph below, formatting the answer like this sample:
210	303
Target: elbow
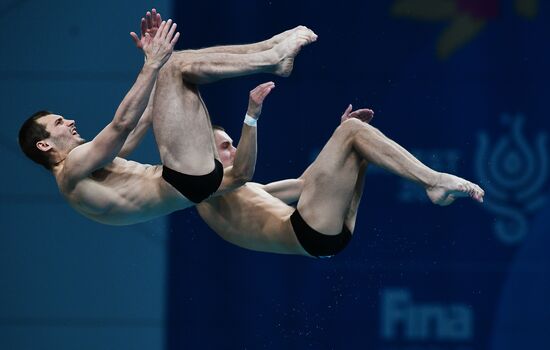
247	175
240	178
233	182
122	126
124	120
238	182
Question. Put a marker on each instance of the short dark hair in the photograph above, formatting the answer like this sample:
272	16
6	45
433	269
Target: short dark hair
217	127
30	133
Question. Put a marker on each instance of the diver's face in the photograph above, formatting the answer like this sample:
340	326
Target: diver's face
225	147
63	134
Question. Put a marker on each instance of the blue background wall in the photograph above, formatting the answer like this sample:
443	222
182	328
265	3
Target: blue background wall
460	83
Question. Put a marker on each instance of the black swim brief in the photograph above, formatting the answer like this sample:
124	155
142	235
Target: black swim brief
196	188
318	244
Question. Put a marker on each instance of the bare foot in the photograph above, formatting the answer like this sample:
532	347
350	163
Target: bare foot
289	48
282	36
449	187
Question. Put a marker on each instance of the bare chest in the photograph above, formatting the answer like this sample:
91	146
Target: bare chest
245	210
121	190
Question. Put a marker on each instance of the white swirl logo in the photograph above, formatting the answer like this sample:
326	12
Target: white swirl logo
513	174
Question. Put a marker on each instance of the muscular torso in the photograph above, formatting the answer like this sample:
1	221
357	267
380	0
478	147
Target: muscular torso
252	218
123	193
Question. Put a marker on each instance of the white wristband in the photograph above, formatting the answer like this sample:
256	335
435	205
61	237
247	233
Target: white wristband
248	120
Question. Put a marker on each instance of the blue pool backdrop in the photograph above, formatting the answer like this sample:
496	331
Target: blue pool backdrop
462	84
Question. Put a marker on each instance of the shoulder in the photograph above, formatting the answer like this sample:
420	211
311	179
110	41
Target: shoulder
66	175
74	168
254	185
76	156
77	153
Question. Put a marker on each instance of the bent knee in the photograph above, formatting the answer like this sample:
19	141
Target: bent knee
352	126
178	63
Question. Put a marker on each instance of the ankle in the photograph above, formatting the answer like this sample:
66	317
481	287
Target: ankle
433	180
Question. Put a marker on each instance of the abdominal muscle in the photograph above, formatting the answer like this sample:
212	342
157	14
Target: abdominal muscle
253	219
124	193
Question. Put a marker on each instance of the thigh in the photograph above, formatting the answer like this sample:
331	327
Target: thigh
329	185
181	125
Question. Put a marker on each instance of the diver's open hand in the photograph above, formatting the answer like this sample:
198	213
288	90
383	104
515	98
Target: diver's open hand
149	25
159	48
364	114
257	97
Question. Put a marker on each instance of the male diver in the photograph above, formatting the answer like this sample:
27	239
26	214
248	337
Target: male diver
259	217
101	185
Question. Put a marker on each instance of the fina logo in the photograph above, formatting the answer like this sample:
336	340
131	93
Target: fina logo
512	173
404	319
